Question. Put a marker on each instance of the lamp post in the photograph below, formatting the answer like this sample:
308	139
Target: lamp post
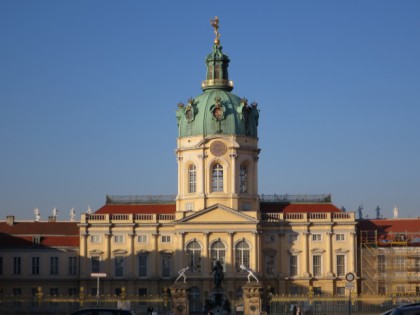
97	276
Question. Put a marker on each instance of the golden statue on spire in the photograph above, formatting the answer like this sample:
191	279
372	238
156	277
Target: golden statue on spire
215	24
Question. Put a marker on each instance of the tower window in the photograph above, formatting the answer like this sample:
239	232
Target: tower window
192	179
243	179
217	178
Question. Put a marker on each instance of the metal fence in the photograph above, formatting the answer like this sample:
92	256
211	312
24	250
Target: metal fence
328	305
64	305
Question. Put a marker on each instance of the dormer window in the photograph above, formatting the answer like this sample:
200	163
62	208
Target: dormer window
36	239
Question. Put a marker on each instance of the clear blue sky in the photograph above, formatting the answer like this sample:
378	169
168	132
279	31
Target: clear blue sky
89	89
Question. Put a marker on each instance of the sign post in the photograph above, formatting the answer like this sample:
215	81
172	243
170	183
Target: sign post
349	286
97	276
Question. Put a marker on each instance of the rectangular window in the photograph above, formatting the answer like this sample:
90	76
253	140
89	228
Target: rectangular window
317	237
246	206
142	238
119	266
166	239
417	264
317	266
54	291
293	265
341	291
400	289
17	265
142	265
73	292
166	265
189	206
317	291
341	267
399	263
381	263
95	264
53	265
17	292
294	290
35	265
73	266
269	265
96	238
339	237
119	239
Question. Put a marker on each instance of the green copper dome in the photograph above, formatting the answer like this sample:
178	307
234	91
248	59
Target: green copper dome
217	110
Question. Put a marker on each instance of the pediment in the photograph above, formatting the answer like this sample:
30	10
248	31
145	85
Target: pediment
218	214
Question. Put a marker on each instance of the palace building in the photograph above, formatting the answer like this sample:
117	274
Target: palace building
292	243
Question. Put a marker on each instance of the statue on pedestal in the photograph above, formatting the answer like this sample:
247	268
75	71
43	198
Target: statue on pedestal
218	274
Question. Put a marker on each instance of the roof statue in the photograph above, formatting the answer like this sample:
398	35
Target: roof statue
250	273
378	212
37	214
89	210
54	212
72	215
360	212
396	211
215	24
182	274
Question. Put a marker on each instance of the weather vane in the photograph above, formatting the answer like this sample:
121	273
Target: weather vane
215	24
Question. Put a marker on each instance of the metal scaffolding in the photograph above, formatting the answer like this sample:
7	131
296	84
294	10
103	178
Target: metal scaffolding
390	262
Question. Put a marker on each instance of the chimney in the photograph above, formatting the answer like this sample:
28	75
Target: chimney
10	220
52	218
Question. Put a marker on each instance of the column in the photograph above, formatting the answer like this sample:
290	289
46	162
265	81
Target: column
181	259
132	256
108	266
84	255
233	174
353	255
305	254
156	254
206	253
231	262
256	262
329	255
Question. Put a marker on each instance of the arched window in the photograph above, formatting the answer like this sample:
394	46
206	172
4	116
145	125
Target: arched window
241	255
195	300
194	256
243	178
192	179
218	253
217	178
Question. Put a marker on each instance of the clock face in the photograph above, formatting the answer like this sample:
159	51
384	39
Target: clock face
218	148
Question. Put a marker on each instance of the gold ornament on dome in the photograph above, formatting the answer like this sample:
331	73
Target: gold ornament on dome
218	148
215	24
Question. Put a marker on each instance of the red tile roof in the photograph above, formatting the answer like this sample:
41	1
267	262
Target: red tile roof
137	208
409	225
297	207
56	234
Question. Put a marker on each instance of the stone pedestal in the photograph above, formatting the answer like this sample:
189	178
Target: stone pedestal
252	298
180	302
